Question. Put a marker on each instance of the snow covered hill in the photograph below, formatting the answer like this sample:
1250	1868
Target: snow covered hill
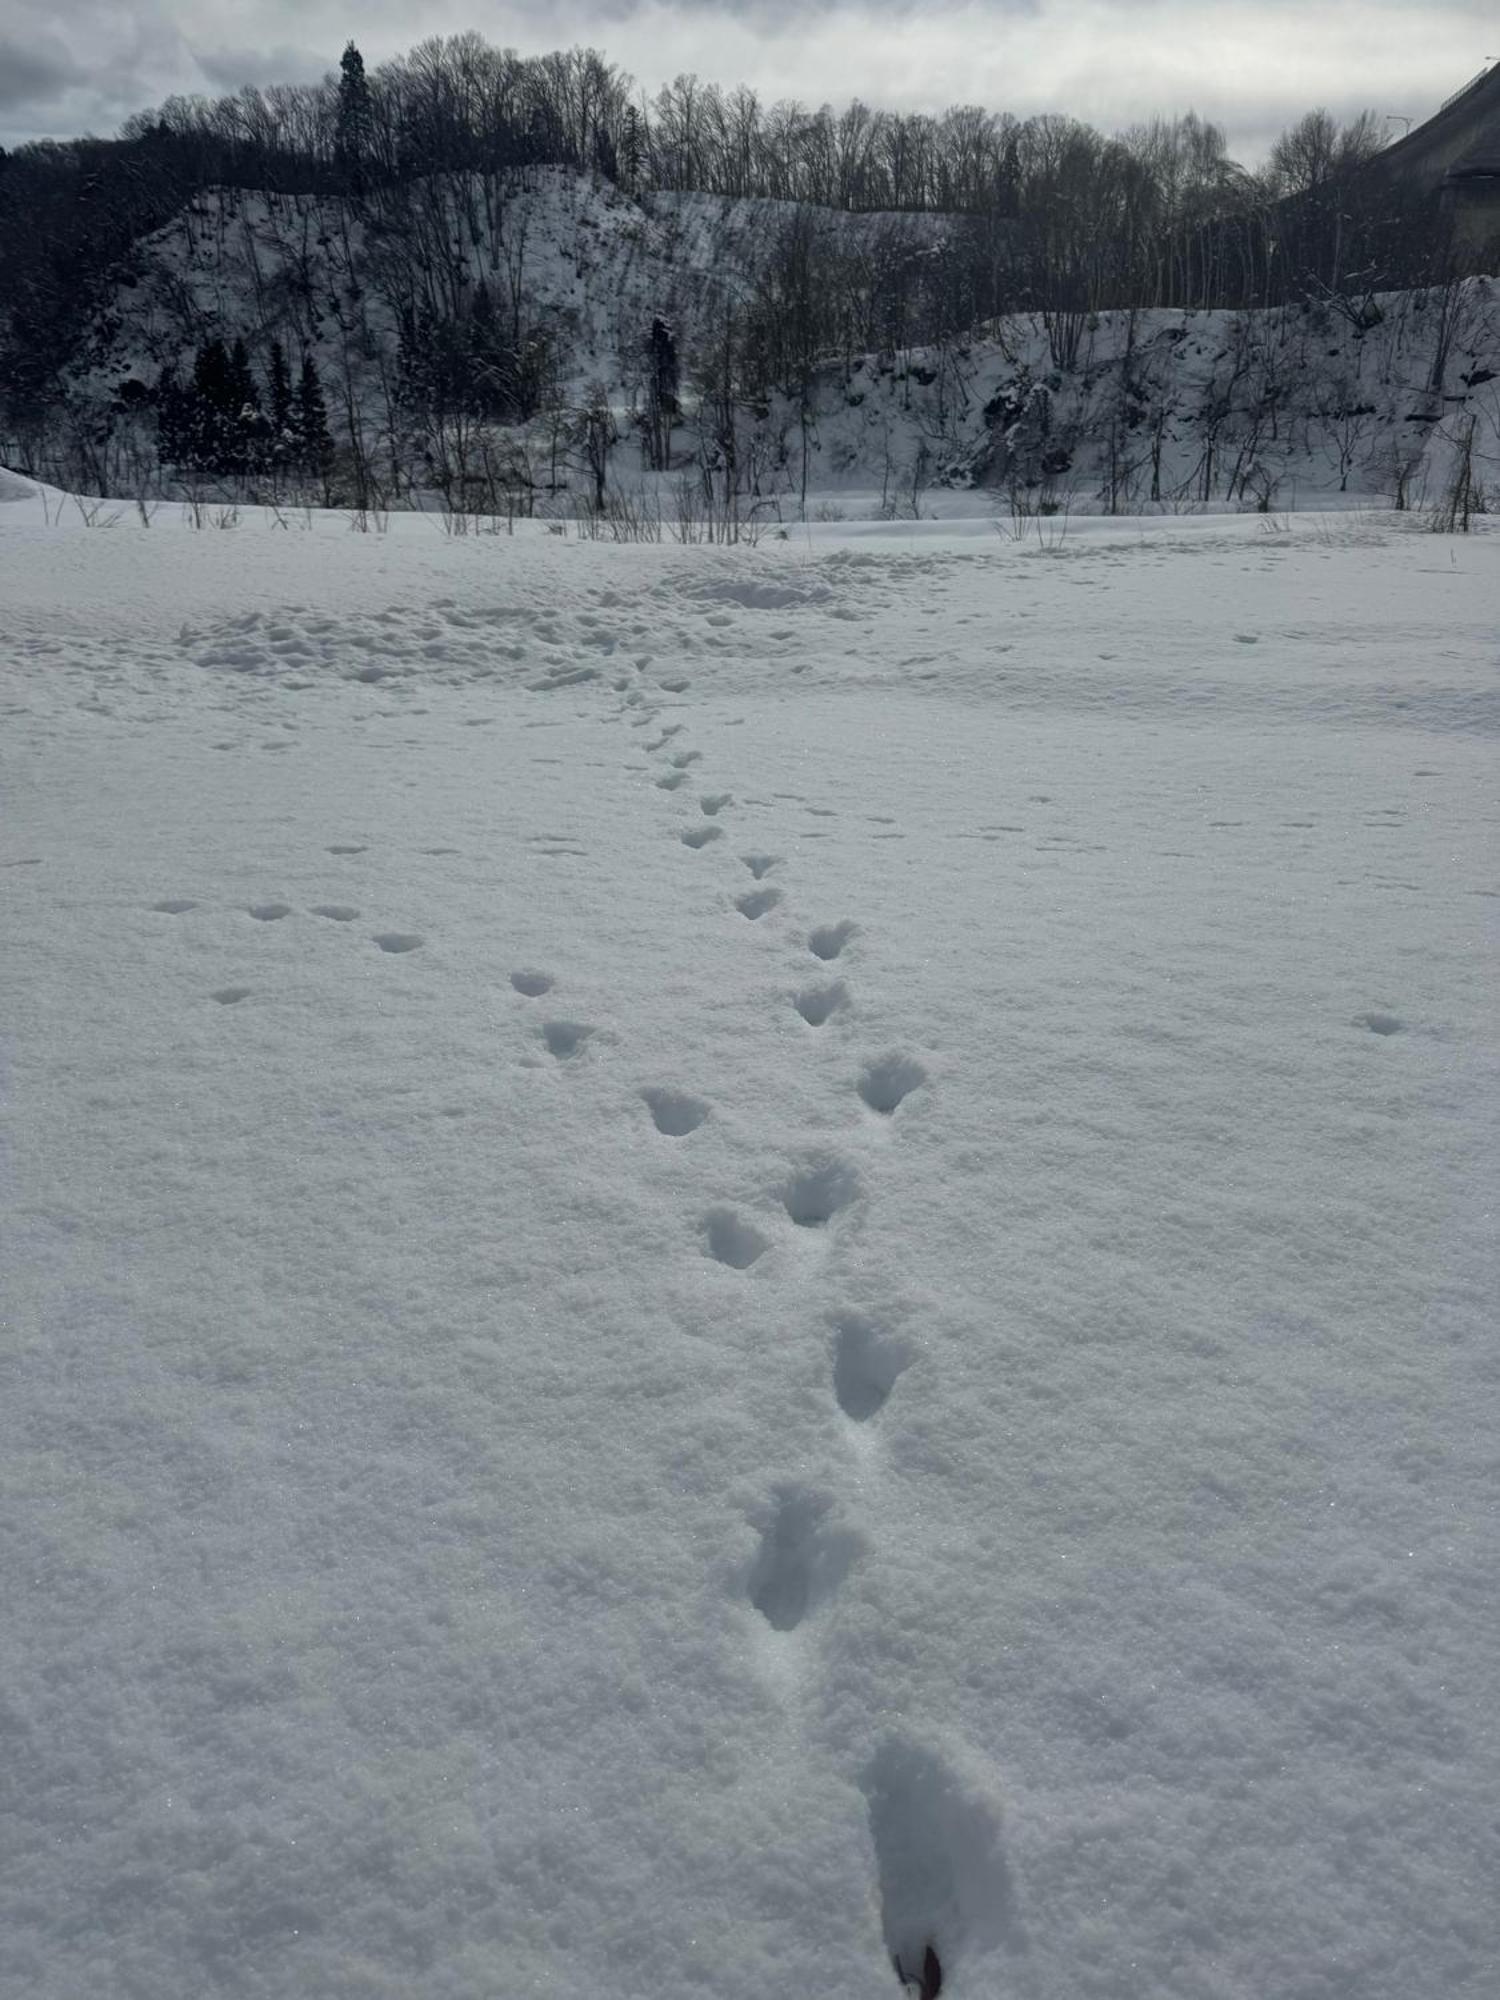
722	1264
1272	408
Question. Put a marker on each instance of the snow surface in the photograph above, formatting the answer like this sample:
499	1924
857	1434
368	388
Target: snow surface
719	1262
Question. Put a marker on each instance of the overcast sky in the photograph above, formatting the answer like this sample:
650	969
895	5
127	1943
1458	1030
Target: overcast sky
74	66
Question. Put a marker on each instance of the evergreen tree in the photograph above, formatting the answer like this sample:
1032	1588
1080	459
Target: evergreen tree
314	439
282	441
172	445
632	151
210	427
661	392
663	346
248	430
354	121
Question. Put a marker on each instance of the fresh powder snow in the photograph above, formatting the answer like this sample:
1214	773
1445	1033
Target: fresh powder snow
726	1267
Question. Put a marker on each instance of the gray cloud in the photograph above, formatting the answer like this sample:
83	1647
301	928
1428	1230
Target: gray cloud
228	70
67	66
34	75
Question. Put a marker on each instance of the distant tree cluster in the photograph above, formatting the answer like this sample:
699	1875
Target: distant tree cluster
221	421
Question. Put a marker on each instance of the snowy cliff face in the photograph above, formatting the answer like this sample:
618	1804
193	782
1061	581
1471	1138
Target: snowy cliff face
1115	412
565	252
1125	412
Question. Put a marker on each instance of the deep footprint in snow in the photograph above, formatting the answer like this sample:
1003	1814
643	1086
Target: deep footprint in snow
945	1885
532	984
230	996
886	1083
926	1979
817	1004
829	939
715	802
336	913
755	903
675	1112
671	781
175	906
815	1192
270	913
564	1038
398	941
680	759
760	865
732	1241
867	1364
1380	1024
700	836
347	850
804	1556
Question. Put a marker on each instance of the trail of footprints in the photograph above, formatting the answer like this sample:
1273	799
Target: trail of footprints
394	943
805	1547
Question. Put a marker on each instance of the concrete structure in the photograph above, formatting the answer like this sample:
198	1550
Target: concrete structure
1456	154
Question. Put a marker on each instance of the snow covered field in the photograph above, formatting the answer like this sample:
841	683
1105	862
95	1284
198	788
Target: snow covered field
722	1262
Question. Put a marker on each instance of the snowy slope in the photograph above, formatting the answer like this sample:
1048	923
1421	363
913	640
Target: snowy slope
588	263
725	1261
1281	407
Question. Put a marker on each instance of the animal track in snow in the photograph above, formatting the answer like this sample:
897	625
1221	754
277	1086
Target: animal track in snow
804	1557
398	941
675	1112
829	939
270	913
945	1887
668	732
1380	1024
348	850
755	903
682	758
926	1979
760	865
532	984
175	906
230	996
700	836
671	781
818	1189
679	684
866	1365
564	1038
732	1241
886	1082
817	1003
715	802
336	913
